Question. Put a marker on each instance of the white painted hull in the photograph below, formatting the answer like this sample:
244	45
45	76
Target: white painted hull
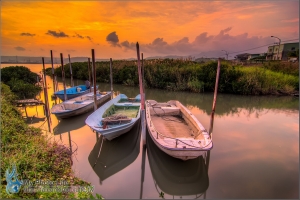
68	108
181	148
112	133
94	120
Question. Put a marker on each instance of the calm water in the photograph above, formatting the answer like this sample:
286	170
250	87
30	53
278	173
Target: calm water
255	153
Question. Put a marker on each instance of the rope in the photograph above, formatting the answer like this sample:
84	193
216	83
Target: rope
181	140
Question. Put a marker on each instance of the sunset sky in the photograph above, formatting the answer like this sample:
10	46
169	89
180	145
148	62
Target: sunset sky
112	28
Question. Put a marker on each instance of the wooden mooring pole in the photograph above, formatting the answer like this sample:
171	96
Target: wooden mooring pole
94	79
54	88
111	81
63	76
46	97
89	71
143	121
215	98
72	83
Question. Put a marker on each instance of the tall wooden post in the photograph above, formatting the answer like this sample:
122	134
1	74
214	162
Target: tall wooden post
94	79
72	84
143	73
89	71
63	76
46	97
111	81
143	121
215	98
54	89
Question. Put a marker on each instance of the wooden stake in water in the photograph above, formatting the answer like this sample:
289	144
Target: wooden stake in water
94	79
46	97
63	76
111	80
89	71
54	89
143	170
143	121
215	98
72	84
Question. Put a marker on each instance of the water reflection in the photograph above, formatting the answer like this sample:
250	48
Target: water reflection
256	148
110	157
174	177
70	124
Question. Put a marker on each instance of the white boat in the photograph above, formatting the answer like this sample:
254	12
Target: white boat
79	105
176	131
115	117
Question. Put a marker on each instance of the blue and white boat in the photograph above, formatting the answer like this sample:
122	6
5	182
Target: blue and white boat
115	117
73	92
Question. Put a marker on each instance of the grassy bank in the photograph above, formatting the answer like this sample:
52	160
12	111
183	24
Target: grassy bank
184	75
36	157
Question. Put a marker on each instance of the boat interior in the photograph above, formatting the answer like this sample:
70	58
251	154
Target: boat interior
128	110
171	121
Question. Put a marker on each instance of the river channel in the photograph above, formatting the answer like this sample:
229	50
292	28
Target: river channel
255	149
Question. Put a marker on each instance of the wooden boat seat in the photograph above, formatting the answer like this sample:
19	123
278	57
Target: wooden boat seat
164	110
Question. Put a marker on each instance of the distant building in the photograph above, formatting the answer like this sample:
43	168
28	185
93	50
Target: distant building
242	57
261	56
276	52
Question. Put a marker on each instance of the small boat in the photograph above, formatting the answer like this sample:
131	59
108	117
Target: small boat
177	179
109	157
79	105
73	92
175	130
115	117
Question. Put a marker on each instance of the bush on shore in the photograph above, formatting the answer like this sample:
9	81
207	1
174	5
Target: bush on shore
21	81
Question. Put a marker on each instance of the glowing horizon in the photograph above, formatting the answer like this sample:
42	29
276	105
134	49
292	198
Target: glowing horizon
161	27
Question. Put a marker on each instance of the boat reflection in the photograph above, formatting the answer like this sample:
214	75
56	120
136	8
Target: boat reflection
110	157
70	124
174	177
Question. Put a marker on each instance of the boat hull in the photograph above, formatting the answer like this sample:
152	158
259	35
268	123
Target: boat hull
113	133
176	153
